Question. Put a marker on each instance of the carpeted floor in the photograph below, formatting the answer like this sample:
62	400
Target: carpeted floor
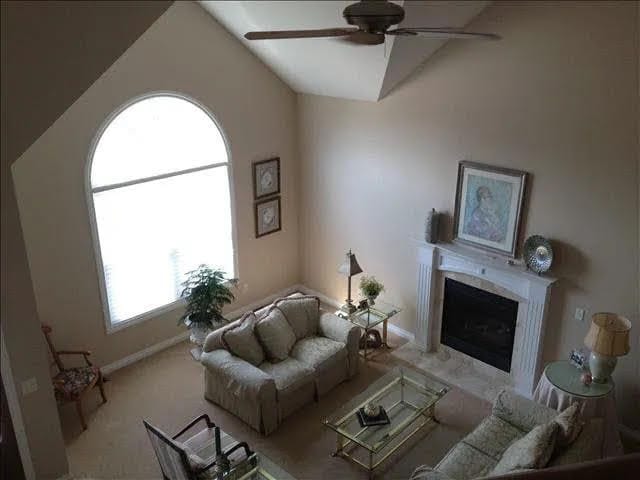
167	390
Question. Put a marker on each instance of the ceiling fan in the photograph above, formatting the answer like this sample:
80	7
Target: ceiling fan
372	20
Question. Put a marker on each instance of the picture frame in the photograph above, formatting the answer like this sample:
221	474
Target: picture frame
267	216
488	209
266	178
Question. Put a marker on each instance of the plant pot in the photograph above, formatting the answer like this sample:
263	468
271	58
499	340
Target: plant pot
198	333
371	299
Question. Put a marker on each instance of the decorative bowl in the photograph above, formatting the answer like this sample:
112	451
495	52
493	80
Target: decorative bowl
538	254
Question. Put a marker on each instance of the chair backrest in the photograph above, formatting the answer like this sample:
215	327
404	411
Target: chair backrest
46	329
171	455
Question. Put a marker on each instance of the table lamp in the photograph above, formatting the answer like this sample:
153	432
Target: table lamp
349	268
608	338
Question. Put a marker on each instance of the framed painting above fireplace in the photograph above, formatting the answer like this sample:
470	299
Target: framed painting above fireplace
489	203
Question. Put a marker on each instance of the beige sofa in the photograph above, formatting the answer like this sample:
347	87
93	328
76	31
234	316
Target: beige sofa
262	369
512	417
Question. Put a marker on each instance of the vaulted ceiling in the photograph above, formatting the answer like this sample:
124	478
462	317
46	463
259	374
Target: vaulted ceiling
333	67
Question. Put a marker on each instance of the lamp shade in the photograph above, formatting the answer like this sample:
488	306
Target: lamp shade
609	334
350	266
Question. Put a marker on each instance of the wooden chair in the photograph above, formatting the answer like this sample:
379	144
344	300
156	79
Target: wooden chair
71	384
209	454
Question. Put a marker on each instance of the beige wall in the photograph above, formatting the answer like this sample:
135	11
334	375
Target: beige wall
187	52
66	48
557	97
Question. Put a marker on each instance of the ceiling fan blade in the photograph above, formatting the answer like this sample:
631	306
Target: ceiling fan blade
284	34
443	33
364	38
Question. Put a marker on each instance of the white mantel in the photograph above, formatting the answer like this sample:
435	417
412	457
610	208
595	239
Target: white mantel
531	290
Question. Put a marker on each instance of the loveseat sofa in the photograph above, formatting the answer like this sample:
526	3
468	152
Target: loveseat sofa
513	417
263	368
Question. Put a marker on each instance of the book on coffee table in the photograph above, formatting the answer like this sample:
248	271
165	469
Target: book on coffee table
368	421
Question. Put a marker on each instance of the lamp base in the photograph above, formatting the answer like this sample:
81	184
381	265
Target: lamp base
601	366
348	307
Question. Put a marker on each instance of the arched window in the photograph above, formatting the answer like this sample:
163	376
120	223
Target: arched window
160	204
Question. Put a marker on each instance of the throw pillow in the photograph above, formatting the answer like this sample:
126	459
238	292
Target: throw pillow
302	312
275	334
569	424
242	342
531	451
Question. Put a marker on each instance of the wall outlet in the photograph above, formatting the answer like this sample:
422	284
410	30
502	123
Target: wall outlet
579	315
29	385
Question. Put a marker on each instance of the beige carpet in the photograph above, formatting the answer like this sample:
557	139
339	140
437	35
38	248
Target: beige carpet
166	389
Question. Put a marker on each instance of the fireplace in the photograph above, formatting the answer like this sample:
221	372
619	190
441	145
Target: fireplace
478	323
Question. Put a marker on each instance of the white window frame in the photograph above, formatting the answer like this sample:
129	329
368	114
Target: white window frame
90	191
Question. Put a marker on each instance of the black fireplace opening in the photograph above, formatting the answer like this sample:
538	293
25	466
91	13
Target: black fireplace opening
479	323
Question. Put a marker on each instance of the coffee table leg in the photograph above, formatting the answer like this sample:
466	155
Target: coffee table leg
339	445
370	465
384	333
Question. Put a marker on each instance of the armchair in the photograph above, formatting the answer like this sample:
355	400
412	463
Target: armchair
196	457
71	384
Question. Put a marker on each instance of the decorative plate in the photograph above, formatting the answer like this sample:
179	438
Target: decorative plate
538	254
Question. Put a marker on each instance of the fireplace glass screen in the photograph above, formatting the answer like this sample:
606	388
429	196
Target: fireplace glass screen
479	323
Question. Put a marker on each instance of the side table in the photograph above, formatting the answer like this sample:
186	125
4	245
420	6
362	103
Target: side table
560	386
369	318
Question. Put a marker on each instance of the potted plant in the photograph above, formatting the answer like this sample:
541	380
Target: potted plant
371	288
206	291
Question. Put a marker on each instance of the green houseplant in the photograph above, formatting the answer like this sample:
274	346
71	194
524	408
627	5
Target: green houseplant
206	292
370	288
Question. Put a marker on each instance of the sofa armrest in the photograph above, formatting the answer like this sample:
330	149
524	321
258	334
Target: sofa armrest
238	376
424	472
341	330
521	412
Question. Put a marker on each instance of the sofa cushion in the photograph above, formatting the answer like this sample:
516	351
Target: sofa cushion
493	436
242	341
464	462
302	313
319	352
288	374
570	425
531	451
275	335
214	339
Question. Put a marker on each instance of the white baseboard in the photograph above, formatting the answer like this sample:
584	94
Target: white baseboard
401	332
144	353
157	347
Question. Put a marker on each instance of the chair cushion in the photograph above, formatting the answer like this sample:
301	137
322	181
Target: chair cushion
493	436
570	425
289	373
275	335
242	341
302	313
464	462
319	352
73	381
531	451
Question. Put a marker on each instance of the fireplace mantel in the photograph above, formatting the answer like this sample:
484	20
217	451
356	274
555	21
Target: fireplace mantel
531	290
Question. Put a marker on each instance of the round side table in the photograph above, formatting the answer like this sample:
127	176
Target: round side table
560	386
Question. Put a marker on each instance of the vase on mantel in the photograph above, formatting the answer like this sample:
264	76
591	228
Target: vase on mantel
431	226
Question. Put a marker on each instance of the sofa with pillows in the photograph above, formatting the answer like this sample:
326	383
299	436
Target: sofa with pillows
519	435
263	367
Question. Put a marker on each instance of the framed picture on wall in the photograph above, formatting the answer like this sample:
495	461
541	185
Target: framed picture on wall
489	203
266	178
267	216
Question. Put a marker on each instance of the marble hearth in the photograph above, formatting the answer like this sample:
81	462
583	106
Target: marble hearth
491	273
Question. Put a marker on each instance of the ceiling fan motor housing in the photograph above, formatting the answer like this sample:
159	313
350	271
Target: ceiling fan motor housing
373	16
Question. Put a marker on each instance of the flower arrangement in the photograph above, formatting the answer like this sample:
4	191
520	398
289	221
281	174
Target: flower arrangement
370	287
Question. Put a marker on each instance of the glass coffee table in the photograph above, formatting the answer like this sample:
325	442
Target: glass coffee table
256	467
369	318
408	397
